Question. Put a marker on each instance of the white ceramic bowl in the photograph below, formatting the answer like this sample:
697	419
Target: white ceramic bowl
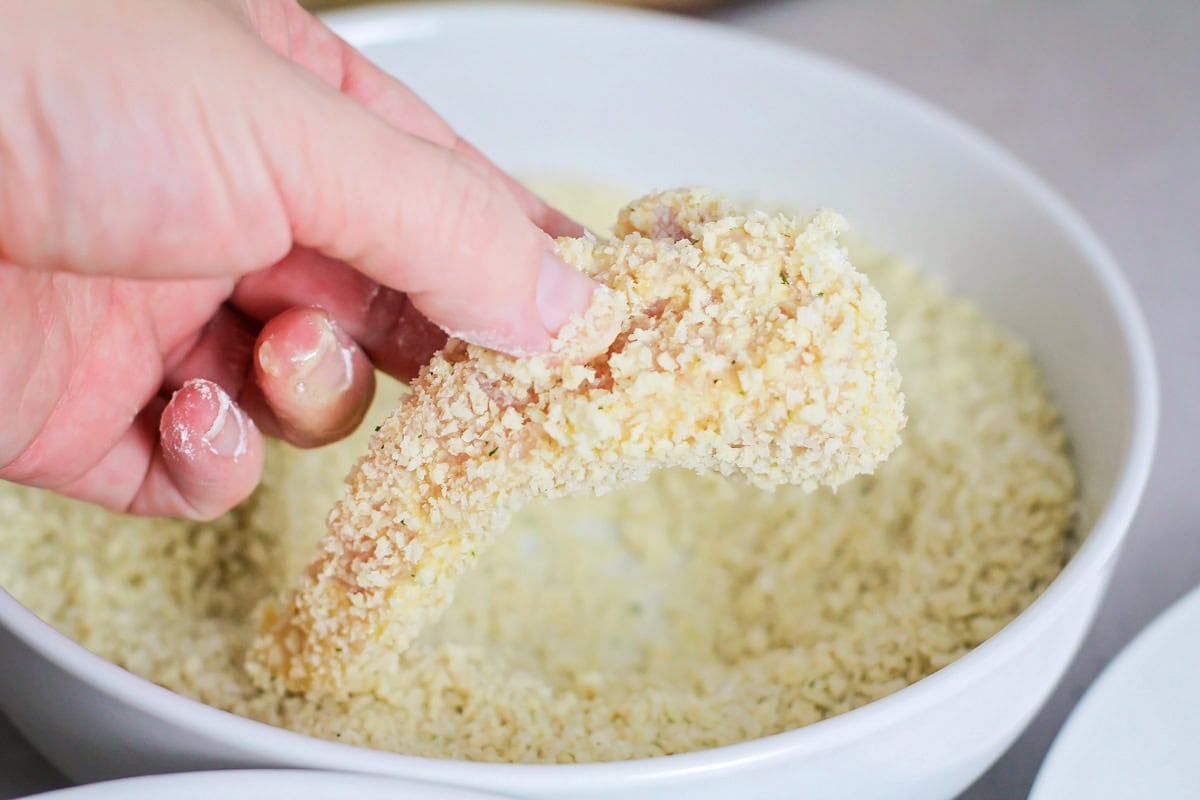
647	101
263	784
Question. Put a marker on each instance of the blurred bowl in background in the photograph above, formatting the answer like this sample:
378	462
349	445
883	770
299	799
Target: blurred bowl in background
686	6
262	784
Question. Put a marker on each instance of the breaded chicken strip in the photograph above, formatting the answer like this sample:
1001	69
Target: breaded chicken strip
744	344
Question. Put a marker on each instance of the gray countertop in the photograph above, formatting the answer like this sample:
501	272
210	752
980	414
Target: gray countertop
1102	99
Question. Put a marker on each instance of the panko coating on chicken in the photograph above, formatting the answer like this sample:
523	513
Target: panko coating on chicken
741	343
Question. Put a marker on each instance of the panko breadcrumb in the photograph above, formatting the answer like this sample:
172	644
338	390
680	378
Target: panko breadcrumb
681	613
739	343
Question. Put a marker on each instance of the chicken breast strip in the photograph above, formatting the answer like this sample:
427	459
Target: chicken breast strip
745	344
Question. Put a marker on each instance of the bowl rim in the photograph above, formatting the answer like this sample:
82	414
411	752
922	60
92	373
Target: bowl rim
256	783
1097	551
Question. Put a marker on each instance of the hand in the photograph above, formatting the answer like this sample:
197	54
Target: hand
214	217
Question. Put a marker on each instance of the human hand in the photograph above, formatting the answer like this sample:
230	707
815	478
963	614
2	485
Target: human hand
214	217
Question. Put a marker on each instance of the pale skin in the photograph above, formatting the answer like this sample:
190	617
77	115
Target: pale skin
215	217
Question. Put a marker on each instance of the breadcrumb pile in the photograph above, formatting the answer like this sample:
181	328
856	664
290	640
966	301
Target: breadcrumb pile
677	614
741	343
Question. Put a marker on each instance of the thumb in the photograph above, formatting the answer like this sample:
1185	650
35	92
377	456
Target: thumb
420	219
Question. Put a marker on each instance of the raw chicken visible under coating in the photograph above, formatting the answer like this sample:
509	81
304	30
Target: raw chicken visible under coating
744	344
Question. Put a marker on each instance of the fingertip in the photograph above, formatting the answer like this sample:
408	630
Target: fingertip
559	293
201	420
313	376
211	450
456	240
555	223
563	292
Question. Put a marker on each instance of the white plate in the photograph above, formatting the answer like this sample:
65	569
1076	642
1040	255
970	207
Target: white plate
1136	733
263	785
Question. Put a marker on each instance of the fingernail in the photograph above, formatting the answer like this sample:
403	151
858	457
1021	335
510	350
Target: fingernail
226	436
562	292
318	372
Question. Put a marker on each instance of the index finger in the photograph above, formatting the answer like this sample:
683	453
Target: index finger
314	46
